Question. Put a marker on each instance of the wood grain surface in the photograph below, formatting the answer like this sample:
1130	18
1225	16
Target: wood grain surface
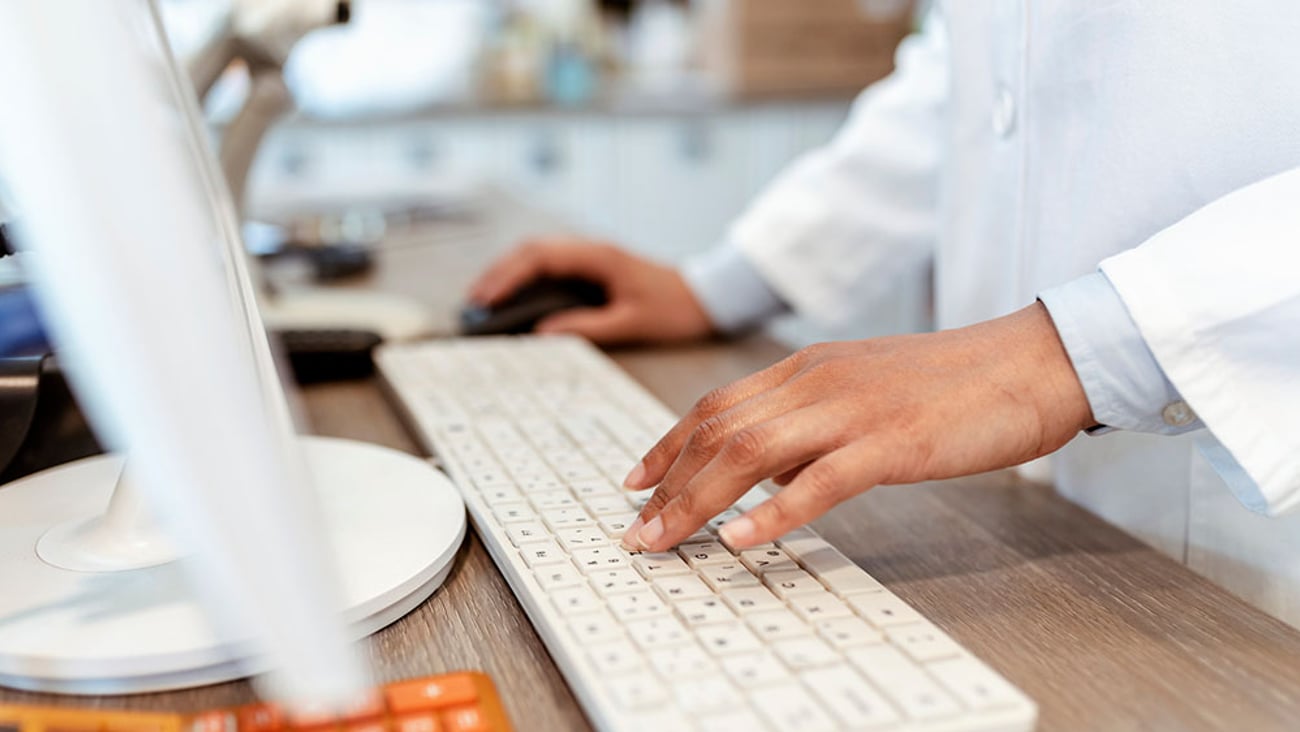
1101	630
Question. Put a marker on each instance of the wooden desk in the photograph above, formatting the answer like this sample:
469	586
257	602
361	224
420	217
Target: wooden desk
1103	631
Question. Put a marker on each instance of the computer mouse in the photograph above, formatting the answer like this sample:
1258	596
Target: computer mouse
521	312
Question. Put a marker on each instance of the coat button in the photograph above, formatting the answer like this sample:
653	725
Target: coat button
1178	414
1004	113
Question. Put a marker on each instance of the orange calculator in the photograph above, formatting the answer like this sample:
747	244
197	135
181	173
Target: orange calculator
459	702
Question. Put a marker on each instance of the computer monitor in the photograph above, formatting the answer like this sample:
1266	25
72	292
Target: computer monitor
296	546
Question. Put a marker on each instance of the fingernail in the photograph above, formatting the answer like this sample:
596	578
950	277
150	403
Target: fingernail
650	534
738	531
629	537
633	480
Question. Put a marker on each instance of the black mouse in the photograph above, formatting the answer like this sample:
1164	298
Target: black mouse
521	312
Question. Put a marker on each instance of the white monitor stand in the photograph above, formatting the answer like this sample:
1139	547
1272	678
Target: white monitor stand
125	213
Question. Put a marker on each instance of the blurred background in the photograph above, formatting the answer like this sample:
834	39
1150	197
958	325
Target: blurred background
650	123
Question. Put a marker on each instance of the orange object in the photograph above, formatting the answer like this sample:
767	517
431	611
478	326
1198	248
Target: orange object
458	702
261	718
424	722
419	696
465	719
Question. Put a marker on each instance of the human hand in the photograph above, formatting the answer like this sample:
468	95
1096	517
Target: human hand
836	419
647	301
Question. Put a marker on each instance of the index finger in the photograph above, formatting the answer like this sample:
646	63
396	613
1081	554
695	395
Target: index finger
655	464
538	258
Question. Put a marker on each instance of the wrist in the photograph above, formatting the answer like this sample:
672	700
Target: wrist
1037	369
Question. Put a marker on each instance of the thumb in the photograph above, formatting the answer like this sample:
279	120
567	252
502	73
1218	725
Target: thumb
599	325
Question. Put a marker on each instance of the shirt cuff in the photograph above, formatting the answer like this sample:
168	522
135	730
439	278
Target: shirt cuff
731	291
1125	386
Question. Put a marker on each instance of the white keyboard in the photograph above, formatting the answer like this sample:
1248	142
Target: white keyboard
538	433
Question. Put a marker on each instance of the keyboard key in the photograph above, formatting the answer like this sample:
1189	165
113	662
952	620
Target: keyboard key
716	522
658	632
607	505
681	587
615	581
256	718
760	561
554	576
975	684
635	605
882	609
722	577
837	571
596	627
426	722
514	511
922	642
585	489
538	553
850	698
704	610
569	600
755	669
525	532
682	662
653	565
615	526
844	633
751	600
499	494
424	695
815	606
705	553
741	720
904	682
637	691
776	625
216	722
657	720
552	499
804	653
571	517
582	538
789	582
539	480
615	657
710	694
600	558
791	709
721	639
465	719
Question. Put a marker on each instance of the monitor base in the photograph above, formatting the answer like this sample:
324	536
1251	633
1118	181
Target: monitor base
395	523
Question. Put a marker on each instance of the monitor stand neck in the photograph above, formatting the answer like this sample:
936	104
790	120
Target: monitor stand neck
126	536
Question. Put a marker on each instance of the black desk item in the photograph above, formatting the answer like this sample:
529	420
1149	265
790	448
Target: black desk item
521	312
40	423
329	355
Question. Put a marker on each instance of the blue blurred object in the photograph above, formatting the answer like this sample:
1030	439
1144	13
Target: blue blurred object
21	331
570	76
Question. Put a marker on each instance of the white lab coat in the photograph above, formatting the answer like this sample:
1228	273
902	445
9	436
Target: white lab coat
1023	144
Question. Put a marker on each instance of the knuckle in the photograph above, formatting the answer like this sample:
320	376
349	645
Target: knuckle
711	403
822	481
709	434
746	449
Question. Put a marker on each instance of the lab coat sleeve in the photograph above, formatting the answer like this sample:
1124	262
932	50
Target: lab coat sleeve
1216	298
1126	388
836	226
733	294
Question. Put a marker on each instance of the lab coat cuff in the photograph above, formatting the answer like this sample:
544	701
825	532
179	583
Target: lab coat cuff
1125	386
729	288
